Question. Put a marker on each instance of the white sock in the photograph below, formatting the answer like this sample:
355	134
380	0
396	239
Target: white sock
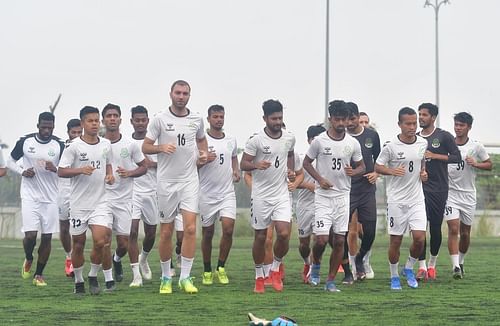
422	264
165	268
461	257
94	269
275	267
352	262
267	269
144	255
108	275
135	270
307	260
433	261
186	265
410	262
117	258
454	260
68	255
78	274
259	271
366	258
394	269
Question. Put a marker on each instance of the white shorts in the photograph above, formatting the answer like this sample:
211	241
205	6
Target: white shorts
263	211
63	206
464	212
122	217
145	207
305	220
39	216
210	212
331	213
178	223
81	219
177	195
403	217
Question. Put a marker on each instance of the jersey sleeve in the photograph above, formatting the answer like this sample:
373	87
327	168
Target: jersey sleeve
109	153
376	146
137	155
62	146
292	143
251	146
200	134
67	157
235	148
356	154
298	162
481	152
18	151
385	155
453	151
154	128
2	161
313	150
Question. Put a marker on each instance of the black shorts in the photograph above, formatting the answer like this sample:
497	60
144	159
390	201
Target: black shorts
435	203
366	205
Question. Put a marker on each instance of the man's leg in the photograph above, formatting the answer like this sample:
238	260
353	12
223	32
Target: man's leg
393	255
78	259
317	250
133	246
336	255
464	244
258	254
226	242
120	252
43	253
147	244
206	250
453	229
101	255
29	243
268	257
65	238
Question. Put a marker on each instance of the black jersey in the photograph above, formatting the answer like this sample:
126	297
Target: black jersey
440	142
370	149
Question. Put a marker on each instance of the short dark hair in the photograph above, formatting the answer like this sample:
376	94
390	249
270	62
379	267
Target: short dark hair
215	108
363	113
111	106
464	117
338	108
271	106
73	123
433	109
181	83
138	109
46	116
314	131
87	110
406	111
353	109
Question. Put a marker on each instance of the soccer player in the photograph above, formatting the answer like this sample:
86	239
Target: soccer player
128	162
144	203
40	152
362	196
364	120
217	196
305	208
402	161
181	142
87	161
338	158
461	203
441	151
269	156
74	130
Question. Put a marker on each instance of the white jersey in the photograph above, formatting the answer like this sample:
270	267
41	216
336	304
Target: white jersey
87	191
182	131
270	183
216	177
64	186
35	154
125	153
331	158
462	176
305	197
146	184
406	189
2	161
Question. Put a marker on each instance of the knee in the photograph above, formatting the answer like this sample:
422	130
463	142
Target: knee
78	246
190	230
227	232
208	232
282	235
46	238
338	241
101	243
30	236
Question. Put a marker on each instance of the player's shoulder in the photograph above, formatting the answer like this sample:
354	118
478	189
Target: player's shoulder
104	141
369	132
22	139
420	140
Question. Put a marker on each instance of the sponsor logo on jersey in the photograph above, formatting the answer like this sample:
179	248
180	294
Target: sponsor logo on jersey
31	150
368	143
170	127
327	151
211	149
83	157
435	143
266	149
51	152
400	156
124	153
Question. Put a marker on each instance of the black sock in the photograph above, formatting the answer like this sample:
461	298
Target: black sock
207	267
39	268
220	263
347	269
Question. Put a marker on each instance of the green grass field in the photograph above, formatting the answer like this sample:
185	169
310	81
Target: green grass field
473	300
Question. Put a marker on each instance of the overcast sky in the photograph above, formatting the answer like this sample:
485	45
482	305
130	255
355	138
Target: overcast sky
240	53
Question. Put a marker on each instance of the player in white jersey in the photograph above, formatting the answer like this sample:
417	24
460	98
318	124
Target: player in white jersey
40	153
461	203
269	155
74	130
87	161
333	151
144	203
402	160
305	208
181	143
128	163
3	169
217	197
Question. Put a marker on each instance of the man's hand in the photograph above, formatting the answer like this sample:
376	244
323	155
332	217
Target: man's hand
236	176
399	171
87	170
348	170
28	173
211	156
167	148
429	155
471	161
202	158
122	172
424	176
49	166
109	179
262	165
291	175
372	177
325	184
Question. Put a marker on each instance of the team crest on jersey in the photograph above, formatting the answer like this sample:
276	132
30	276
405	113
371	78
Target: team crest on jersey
170	127
400	155
368	143
266	149
104	152
51	152
83	157
470	153
230	147
31	150
288	145
435	143
327	151
124	153
347	150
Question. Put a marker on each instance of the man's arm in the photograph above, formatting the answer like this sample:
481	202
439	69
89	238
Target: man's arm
384	170
236	169
299	178
137	172
73	172
323	183
149	147
359	169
